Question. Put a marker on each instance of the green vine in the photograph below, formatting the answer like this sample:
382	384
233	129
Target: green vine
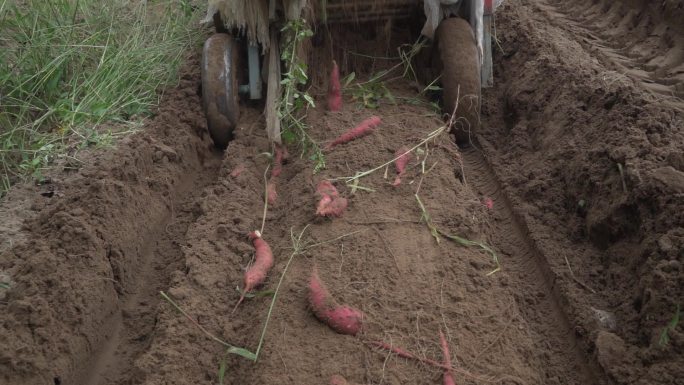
293	103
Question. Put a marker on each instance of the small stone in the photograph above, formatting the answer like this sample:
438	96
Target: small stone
665	244
672	266
605	319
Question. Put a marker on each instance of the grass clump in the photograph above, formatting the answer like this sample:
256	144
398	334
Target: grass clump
67	67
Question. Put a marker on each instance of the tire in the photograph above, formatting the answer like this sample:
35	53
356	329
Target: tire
458	60
220	87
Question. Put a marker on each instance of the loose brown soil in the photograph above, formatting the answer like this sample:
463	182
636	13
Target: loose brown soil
590	252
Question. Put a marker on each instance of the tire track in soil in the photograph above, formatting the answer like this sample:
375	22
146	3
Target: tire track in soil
133	327
656	61
538	300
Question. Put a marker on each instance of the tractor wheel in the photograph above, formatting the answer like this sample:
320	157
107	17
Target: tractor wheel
458	60
220	87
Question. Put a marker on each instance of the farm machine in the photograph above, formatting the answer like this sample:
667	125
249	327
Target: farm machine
242	59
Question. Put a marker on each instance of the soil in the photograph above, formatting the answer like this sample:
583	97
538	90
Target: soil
581	158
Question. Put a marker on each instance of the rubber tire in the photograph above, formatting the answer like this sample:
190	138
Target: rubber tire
458	60
220	87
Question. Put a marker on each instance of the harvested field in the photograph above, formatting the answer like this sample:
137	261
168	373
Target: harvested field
573	190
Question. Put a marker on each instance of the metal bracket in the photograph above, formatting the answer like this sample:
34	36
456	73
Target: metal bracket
272	10
487	72
254	72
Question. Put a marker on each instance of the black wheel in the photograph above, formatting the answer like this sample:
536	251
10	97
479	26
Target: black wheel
220	87
456	55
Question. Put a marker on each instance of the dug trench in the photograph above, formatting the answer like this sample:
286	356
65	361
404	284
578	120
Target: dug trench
85	268
591	160
165	212
378	257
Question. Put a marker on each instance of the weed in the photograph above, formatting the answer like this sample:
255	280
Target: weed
222	369
435	232
622	176
293	103
671	326
371	92
230	348
68	67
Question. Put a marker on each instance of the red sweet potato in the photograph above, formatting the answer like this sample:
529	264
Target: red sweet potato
280	155
489	203
338	380
330	204
404	158
237	170
335	89
331	207
271	194
326	188
363	129
341	318
323	204
448	375
263	261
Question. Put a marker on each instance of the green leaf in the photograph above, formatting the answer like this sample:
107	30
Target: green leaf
665	335
288	136
5	286
54	80
242	353
309	100
99	109
300	75
389	95
348	79
378	75
222	371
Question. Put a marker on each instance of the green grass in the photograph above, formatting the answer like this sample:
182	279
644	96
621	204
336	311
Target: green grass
671	326
81	72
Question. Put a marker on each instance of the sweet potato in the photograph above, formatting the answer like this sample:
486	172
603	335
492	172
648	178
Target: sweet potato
336	379
448	375
404	157
326	188
331	207
489	203
341	318
323	204
363	129
263	261
330	204
237	170
280	156
271	193
335	89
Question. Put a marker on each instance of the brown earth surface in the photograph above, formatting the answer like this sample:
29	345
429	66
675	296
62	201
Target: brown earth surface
579	149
